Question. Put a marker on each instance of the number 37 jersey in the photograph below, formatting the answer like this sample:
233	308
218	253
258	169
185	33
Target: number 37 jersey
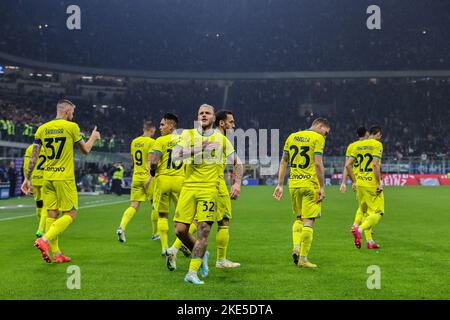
140	148
301	147
57	138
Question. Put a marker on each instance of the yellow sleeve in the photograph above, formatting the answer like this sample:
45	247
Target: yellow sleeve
157	146
229	149
320	145
186	139
37	136
377	150
76	133
287	144
348	153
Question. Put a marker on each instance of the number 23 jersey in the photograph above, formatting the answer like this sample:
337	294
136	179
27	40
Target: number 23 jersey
57	138
301	147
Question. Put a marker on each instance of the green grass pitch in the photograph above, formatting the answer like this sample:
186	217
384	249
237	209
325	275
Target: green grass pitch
414	259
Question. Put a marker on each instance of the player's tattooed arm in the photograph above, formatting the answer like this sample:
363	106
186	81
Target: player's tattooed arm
238	172
33	160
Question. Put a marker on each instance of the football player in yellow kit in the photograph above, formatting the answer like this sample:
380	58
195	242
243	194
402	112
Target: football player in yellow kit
202	149
368	183
303	152
140	148
58	137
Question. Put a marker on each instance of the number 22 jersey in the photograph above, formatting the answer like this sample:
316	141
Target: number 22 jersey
57	138
301	147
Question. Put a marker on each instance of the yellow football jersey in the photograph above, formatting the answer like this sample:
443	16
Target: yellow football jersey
37	176
348	154
140	148
364	151
224	164
301	147
203	170
164	147
57	137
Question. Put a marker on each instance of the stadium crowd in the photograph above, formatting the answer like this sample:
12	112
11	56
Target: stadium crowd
411	112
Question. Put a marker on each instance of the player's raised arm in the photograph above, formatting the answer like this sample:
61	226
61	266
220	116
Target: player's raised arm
278	193
26	185
320	171
86	147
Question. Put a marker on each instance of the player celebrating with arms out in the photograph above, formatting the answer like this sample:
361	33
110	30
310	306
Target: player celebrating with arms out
58	137
303	152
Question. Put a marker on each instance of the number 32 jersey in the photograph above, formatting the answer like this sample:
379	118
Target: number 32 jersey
57	138
140	148
301	147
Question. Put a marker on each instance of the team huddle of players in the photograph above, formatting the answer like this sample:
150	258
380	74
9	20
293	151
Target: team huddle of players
187	170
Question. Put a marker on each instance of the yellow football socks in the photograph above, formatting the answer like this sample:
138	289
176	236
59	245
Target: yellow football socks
306	241
222	239
370	221
163	230
368	234
58	227
42	216
296	235
54	246
154	217
358	217
192	228
127	216
195	264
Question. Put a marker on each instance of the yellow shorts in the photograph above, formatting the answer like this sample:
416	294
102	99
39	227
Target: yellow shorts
223	202
167	188
139	193
37	193
304	202
198	203
60	195
369	201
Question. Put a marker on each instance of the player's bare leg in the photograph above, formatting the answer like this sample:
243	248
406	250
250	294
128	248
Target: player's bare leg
200	255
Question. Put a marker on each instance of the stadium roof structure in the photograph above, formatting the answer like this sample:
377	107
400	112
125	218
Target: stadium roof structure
176	75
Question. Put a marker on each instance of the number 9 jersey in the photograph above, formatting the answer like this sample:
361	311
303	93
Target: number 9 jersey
301	147
140	148
57	138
